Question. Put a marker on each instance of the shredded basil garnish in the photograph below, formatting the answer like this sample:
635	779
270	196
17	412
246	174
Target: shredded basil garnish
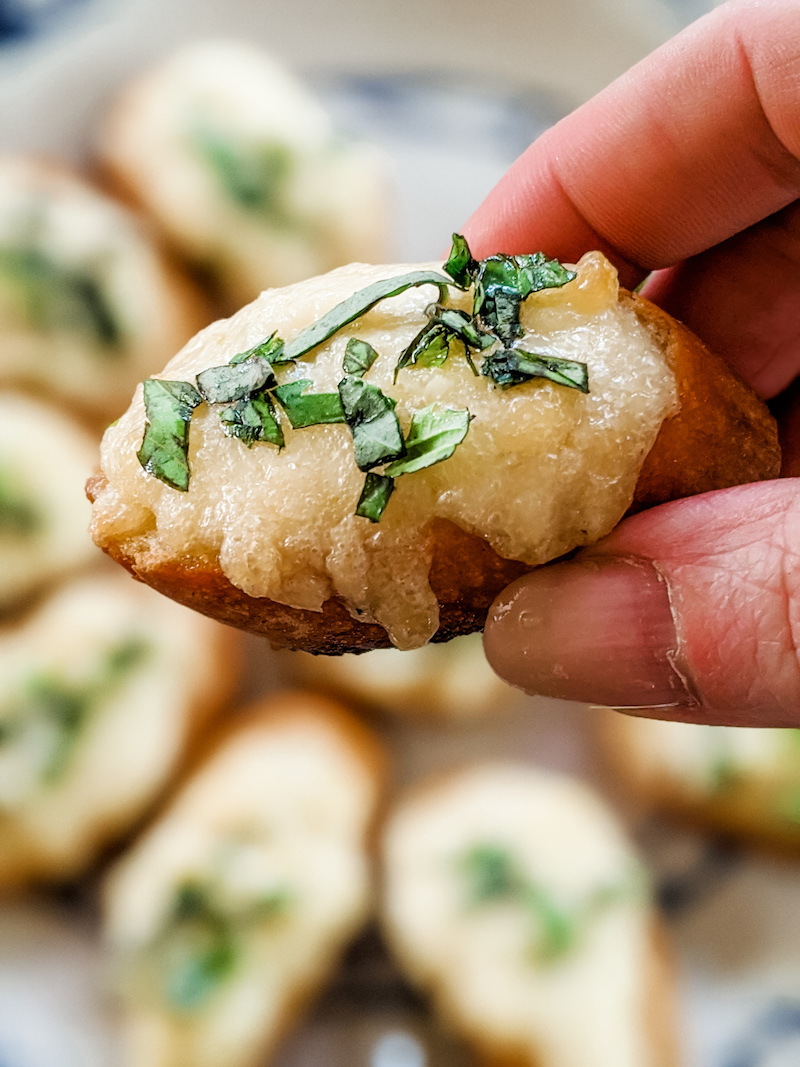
62	707
253	419
494	877
432	437
165	447
512	366
249	388
358	357
253	175
374	496
313	409
19	516
200	944
370	414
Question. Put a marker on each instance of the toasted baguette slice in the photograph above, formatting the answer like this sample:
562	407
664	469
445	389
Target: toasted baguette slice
731	780
103	690
235	906
268	540
513	898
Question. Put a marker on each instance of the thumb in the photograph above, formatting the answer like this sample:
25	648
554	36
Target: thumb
692	608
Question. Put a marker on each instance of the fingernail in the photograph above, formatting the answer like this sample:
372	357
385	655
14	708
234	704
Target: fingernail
596	630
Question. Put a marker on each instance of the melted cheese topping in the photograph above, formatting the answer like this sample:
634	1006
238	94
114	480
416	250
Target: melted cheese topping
543	468
587	1008
133	736
324	205
45	459
302	797
77	230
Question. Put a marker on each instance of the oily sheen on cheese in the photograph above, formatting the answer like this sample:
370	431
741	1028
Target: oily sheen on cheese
543	468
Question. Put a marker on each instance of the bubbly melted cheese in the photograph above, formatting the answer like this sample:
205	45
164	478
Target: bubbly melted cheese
587	1008
133	736
45	459
78	231
328	202
302	797
542	469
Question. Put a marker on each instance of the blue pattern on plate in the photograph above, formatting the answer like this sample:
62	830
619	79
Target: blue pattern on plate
27	18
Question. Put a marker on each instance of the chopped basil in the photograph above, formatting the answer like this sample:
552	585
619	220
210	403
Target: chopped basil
430	348
221	385
310	410
374	496
19	516
201	943
61	706
503	282
494	877
358	357
377	437
460	265
271	350
165	447
357	305
255	176
253	419
432	437
57	297
513	366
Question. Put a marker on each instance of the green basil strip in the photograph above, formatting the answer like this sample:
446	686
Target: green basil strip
430	348
165	447
223	385
374	496
503	282
311	410
253	419
460	265
465	328
358	357
432	437
513	366
357	305
377	436
271	350
18	514
254	175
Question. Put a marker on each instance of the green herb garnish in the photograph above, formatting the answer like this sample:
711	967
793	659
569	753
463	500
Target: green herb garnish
200	944
255	176
271	350
165	447
313	409
253	419
513	366
55	297
377	437
493	877
358	357
62	707
503	282
460	265
221	385
374	496
432	437
19	516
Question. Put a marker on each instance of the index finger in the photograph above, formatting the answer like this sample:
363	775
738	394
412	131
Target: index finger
694	144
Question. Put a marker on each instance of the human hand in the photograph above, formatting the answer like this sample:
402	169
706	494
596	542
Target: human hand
688	165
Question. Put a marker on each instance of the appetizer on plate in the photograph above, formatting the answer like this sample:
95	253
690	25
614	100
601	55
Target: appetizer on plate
734	780
235	906
45	459
88	304
513	898
242	168
369	457
451	682
102	690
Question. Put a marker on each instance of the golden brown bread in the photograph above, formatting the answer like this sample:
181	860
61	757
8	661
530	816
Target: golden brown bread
722	434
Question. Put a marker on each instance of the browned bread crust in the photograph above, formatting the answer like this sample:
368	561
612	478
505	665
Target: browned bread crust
721	435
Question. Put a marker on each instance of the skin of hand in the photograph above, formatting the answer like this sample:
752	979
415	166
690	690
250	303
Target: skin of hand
688	165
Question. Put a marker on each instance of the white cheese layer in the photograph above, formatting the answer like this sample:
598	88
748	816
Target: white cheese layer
243	169
542	469
66	789
45	459
67	254
289	798
587	1007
